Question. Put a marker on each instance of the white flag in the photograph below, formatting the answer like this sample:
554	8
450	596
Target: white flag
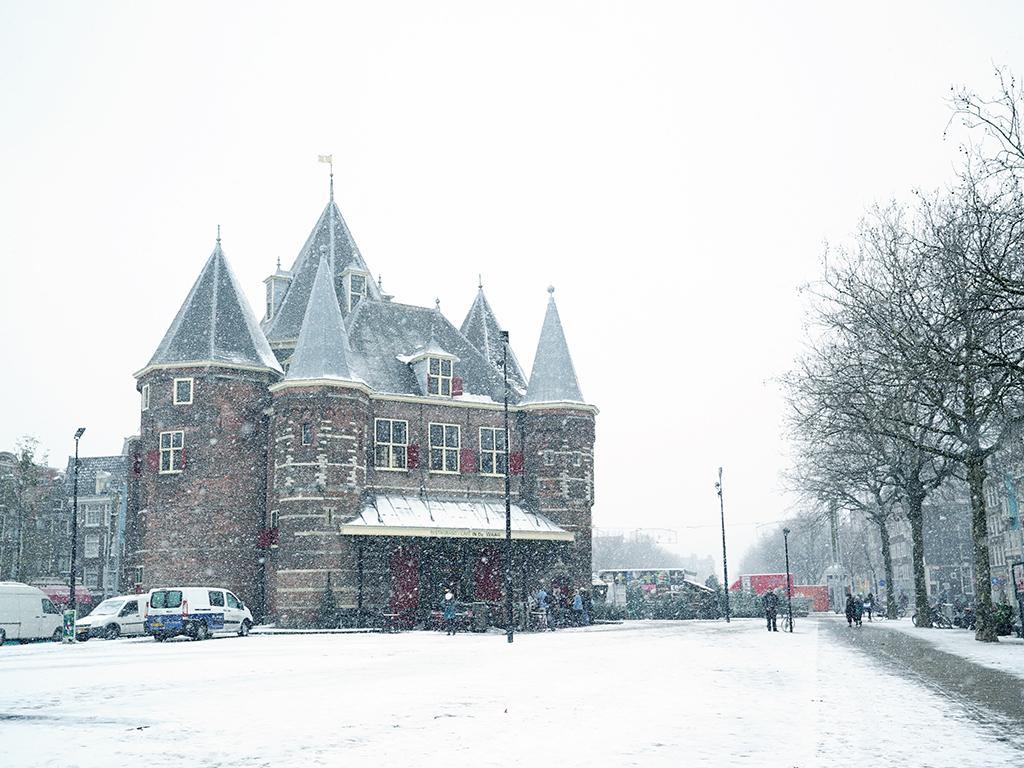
326	158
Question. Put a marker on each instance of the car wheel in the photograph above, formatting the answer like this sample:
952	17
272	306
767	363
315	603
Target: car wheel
159	638
201	631
58	635
243	631
83	638
3	637
112	632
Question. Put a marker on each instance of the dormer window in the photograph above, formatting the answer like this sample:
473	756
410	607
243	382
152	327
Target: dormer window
356	290
439	377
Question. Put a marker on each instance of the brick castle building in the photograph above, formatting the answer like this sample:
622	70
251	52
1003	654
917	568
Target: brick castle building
352	444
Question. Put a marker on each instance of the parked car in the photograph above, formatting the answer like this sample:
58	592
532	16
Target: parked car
197	612
27	614
114	617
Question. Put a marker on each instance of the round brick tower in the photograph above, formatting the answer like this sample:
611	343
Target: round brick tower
202	477
318	470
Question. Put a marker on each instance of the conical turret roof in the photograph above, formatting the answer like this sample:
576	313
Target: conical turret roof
322	351
330	235
215	324
483	331
553	379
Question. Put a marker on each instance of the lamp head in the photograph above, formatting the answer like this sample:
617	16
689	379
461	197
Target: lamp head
785	531
79	432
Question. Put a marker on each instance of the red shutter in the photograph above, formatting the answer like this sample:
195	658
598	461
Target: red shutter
515	463
266	538
181	464
456	386
467	460
153	461
412	453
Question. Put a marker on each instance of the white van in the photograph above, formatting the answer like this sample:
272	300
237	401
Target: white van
195	611
115	617
27	614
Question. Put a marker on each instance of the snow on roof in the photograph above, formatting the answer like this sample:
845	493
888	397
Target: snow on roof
330	233
215	324
471	518
483	331
322	351
553	379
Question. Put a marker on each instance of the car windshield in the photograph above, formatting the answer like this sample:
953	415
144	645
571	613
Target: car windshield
166	598
107	607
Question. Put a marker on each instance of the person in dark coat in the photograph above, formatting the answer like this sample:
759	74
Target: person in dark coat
771	609
858	609
449	613
869	605
851	609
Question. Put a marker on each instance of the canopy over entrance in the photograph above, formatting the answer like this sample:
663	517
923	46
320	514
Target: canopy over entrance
472	518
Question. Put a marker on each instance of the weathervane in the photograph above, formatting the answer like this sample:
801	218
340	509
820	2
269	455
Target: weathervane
329	159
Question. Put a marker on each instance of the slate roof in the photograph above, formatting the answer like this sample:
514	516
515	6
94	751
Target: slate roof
88	466
553	379
482	329
322	351
380	332
215	324
330	234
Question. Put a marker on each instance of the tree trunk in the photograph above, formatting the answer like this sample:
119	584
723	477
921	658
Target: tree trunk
915	500
890	593
986	626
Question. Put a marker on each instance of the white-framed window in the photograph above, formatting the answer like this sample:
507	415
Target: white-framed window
439	376
445	441
145	397
356	290
390	443
307	433
549	458
493	451
93	515
91	577
172	451
92	545
183	391
137	576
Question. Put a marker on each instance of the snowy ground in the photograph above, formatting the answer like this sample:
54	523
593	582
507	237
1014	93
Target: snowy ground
1007	655
645	694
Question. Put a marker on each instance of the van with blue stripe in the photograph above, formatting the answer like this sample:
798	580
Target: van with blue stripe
196	612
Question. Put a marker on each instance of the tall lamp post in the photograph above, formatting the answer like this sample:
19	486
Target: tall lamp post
508	494
725	559
71	612
789	583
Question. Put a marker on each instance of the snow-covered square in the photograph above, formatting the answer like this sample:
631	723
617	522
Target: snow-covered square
638	693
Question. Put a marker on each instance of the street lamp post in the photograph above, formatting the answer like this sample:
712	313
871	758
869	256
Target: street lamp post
789	585
72	602
508	494
725	559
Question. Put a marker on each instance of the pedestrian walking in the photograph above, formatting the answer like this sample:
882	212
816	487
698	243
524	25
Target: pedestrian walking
577	609
858	610
585	594
449	613
869	605
771	609
851	609
551	606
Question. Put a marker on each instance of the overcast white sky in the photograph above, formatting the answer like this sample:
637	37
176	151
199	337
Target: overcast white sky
672	168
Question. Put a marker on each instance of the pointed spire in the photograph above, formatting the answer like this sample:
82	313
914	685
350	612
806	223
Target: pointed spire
553	379
215	324
218	235
323	350
482	329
